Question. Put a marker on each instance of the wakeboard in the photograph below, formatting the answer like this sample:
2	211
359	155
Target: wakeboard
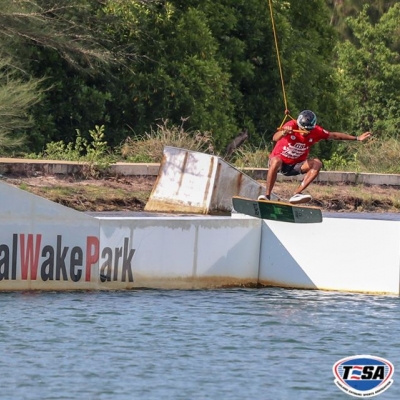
277	210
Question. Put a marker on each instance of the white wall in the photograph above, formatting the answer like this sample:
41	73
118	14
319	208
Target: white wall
47	246
188	251
44	245
337	254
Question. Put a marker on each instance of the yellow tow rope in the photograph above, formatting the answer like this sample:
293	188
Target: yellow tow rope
287	112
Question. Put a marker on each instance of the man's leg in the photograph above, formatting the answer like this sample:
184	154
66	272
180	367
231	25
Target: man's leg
311	170
275	164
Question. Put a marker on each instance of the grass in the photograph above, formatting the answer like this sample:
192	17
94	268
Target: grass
150	147
92	197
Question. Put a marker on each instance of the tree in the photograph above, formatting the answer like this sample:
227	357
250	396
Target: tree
307	44
212	63
68	29
370	73
179	75
343	9
17	95
61	46
215	62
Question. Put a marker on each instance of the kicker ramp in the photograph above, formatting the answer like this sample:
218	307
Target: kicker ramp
198	183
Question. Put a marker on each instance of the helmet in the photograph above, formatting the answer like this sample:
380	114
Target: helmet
307	120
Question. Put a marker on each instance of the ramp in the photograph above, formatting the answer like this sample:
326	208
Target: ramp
194	182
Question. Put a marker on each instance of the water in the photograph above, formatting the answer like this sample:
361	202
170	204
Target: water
212	344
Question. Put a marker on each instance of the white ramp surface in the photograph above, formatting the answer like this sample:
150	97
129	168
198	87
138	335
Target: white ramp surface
193	182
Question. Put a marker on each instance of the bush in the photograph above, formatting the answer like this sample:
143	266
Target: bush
94	154
380	156
150	147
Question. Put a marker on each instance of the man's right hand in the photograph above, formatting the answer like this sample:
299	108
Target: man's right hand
287	130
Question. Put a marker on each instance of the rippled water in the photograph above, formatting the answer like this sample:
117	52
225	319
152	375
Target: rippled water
211	344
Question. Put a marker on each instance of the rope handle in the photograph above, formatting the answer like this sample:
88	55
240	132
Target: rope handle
295	130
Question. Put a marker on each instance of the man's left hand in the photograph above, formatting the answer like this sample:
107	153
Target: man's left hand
364	136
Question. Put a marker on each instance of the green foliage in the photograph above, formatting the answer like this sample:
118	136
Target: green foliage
23	186
374	156
17	96
70	30
98	148
129	64
212	63
65	46
307	48
341	10
178	75
246	51
81	149
73	101
338	162
94	153
370	74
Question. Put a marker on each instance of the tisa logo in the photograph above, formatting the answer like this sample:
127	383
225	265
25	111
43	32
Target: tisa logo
363	376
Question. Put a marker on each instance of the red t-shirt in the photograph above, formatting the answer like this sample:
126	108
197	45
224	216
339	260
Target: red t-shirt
294	148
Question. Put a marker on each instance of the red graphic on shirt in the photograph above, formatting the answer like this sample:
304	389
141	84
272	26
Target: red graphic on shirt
295	147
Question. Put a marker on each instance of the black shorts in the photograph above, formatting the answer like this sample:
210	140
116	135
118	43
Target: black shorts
291	169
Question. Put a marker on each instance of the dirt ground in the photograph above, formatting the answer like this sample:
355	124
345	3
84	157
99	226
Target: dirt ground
131	193
106	194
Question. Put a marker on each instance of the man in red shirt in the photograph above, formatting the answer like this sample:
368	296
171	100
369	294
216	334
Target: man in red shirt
290	154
